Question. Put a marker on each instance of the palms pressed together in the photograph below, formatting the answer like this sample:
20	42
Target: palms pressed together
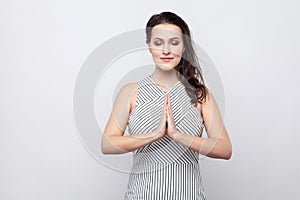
166	125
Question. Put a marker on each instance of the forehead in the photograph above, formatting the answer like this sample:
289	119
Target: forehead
166	31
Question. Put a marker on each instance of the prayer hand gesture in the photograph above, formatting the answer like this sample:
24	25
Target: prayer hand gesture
166	125
171	127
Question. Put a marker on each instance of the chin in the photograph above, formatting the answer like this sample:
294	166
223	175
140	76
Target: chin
166	67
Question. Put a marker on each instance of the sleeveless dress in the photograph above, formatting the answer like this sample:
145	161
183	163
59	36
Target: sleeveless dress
164	169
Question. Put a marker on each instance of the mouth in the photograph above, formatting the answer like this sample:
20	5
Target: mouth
166	59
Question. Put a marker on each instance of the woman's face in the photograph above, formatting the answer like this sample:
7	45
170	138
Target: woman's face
166	46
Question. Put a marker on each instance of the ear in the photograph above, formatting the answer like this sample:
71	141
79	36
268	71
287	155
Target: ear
149	47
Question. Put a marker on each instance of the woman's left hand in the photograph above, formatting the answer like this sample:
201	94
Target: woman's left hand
172	131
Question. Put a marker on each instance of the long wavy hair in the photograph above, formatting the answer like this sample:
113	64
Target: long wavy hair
188	66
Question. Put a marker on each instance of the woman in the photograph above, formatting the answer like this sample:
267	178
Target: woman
165	113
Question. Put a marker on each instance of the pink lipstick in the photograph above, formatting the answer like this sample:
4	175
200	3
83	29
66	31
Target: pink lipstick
166	59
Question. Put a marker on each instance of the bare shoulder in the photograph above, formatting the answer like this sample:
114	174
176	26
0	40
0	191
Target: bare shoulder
209	100
130	89
210	111
128	94
130	86
127	90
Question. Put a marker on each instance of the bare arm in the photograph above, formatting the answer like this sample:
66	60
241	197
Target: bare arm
218	144
113	139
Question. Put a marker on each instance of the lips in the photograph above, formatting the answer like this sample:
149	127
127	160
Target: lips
166	59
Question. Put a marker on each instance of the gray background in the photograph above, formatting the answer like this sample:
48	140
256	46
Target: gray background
255	46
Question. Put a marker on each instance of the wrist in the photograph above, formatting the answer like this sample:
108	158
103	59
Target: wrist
183	139
156	135
175	136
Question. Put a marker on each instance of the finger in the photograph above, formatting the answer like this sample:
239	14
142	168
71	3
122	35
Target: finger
166	104
169	107
169	103
166	101
169	116
164	109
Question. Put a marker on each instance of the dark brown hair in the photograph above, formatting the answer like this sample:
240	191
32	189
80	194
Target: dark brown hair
188	66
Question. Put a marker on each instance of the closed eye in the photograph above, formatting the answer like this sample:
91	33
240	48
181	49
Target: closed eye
157	43
175	43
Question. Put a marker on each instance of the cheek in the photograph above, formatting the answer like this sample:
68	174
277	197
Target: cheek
177	50
156	52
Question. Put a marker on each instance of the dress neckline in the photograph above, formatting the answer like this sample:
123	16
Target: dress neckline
157	86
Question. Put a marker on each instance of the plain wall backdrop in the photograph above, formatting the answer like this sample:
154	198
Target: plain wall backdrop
254	45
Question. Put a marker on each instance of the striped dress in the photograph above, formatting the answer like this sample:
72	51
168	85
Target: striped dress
164	169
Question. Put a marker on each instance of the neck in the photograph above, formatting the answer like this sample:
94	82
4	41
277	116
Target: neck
166	78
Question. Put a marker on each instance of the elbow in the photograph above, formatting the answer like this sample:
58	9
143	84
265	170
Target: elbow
104	150
104	147
222	151
108	147
228	153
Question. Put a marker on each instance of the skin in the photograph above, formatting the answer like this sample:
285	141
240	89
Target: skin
166	41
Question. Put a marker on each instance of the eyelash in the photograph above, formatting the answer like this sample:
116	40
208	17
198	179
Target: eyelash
159	43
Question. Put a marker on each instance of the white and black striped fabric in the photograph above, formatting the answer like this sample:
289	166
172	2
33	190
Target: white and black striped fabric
164	169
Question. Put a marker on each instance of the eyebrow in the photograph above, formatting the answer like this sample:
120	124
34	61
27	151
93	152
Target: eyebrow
169	38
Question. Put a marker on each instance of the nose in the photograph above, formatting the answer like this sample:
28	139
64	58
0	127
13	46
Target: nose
165	50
